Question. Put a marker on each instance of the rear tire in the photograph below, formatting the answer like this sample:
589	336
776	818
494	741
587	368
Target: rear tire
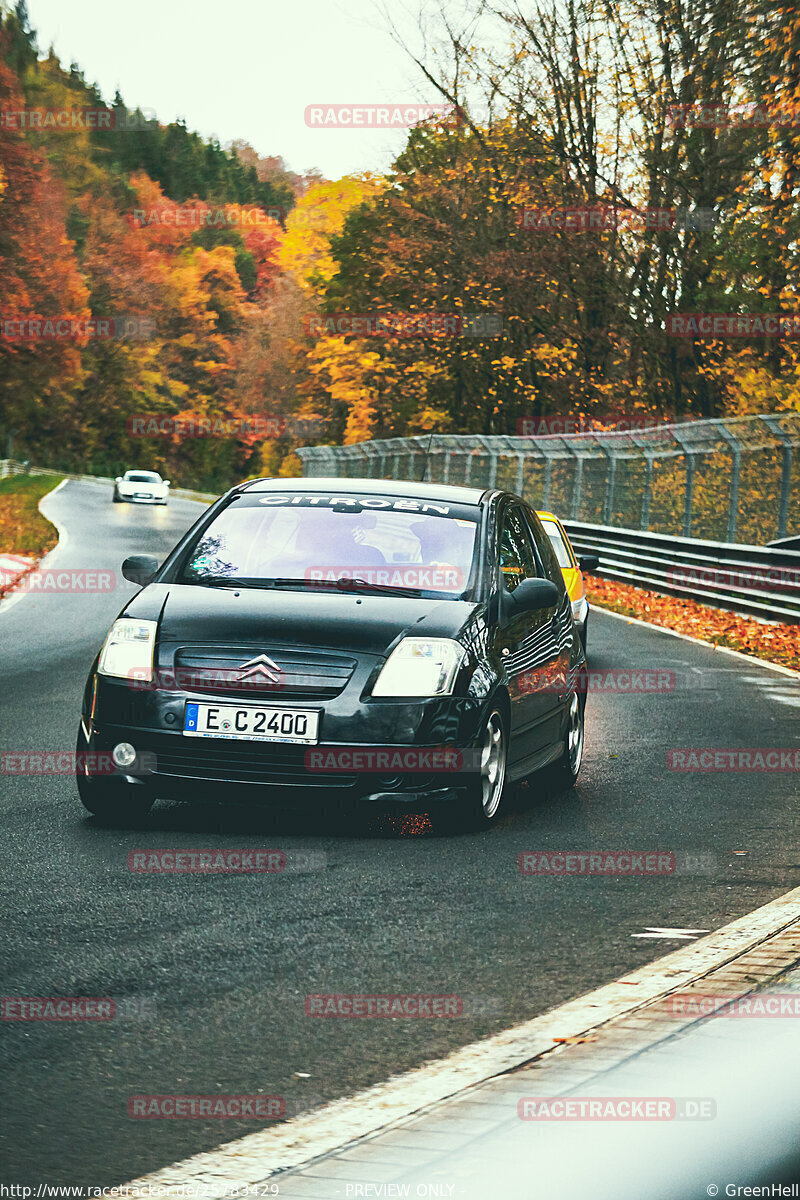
563	774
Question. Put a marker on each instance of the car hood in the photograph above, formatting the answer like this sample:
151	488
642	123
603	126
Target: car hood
329	620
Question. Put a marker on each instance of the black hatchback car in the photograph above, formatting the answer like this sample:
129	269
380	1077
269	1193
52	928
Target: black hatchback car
347	640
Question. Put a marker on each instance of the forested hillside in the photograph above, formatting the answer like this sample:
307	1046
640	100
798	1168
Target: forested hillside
578	198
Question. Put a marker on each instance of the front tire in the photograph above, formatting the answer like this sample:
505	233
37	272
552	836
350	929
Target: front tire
483	804
115	804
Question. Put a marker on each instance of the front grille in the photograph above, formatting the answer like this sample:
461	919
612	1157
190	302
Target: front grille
304	674
198	758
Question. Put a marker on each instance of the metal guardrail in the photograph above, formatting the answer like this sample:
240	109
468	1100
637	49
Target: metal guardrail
730	480
756	580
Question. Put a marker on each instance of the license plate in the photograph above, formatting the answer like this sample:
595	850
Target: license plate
296	725
142	496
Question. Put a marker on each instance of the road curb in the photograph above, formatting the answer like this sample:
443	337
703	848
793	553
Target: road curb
293	1144
687	637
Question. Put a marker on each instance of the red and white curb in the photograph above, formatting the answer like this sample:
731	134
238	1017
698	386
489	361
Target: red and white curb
12	568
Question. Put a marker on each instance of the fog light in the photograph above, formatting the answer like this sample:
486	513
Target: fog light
123	755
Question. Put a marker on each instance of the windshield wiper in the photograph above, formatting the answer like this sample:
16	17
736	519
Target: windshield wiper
388	589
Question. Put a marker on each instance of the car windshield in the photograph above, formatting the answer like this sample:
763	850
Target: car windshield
558	544
308	542
142	477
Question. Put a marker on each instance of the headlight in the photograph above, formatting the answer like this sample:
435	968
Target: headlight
420	667
128	650
580	608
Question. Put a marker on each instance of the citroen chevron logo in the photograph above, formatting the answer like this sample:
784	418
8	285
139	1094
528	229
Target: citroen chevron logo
261	665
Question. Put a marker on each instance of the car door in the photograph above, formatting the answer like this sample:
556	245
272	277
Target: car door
525	641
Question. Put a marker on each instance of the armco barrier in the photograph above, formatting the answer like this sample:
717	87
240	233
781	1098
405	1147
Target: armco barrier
728	576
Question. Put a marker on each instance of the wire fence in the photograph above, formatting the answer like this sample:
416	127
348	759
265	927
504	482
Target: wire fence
726	480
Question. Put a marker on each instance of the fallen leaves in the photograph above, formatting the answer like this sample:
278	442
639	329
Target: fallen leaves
773	642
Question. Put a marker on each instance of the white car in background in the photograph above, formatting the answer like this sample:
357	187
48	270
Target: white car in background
141	487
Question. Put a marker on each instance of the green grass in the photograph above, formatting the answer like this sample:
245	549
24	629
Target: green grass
23	529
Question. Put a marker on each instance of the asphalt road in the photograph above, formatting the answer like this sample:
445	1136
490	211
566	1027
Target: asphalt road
215	969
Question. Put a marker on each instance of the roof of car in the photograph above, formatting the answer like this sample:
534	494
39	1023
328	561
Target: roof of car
373	487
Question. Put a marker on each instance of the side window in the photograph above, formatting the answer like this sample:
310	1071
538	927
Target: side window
517	560
545	548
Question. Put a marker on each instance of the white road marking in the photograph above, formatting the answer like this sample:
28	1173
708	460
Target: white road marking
667	929
257	1156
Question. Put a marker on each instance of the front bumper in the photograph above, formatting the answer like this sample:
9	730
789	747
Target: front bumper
213	770
141	499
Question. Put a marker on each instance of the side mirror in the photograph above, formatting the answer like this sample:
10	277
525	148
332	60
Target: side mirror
140	568
588	562
532	594
118	479
166	482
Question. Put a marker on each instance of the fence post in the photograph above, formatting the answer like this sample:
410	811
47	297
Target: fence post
577	487
548	475
736	468
520	475
611	479
786	486
647	493
786	472
688	498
